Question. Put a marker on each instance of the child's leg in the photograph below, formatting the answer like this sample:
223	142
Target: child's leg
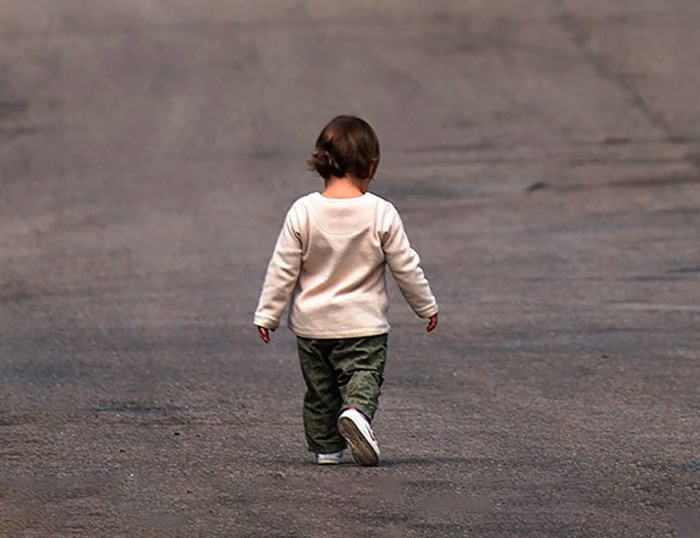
361	364
322	400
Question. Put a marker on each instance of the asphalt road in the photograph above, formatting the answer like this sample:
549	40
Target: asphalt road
545	156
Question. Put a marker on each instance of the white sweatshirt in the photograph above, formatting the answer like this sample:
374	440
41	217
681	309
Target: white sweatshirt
330	258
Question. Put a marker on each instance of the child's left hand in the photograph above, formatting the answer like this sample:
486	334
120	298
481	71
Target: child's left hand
264	334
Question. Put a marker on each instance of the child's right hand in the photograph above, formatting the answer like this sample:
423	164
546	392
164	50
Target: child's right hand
432	323
264	334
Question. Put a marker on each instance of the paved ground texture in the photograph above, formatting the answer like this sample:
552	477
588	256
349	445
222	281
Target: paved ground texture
545	155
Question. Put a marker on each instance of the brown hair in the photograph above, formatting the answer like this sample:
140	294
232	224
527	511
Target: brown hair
347	145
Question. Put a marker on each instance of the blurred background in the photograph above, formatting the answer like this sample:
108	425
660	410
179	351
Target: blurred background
545	157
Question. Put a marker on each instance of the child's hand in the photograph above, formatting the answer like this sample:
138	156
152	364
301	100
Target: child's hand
432	323
264	334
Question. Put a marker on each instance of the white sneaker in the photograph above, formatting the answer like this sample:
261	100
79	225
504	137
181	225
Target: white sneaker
333	458
357	432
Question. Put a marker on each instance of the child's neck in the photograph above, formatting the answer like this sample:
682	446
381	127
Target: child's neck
345	187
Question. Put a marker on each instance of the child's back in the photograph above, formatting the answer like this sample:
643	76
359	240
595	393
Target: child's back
338	249
330	261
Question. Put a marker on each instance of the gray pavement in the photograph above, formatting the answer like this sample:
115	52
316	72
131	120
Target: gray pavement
545	156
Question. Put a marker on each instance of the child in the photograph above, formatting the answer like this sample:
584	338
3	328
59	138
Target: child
330	259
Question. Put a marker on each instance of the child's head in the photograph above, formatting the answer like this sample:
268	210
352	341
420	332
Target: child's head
346	146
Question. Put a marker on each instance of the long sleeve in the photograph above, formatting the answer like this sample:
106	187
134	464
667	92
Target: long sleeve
404	264
282	274
330	263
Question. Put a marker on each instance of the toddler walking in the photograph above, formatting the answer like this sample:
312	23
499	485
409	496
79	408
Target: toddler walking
330	261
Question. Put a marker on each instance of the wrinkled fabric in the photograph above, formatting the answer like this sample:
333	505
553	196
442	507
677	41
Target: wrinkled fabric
339	374
330	262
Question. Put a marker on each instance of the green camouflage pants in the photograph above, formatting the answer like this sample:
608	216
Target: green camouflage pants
339	373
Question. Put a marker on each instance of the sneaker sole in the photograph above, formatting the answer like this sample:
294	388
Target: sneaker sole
329	461
362	451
